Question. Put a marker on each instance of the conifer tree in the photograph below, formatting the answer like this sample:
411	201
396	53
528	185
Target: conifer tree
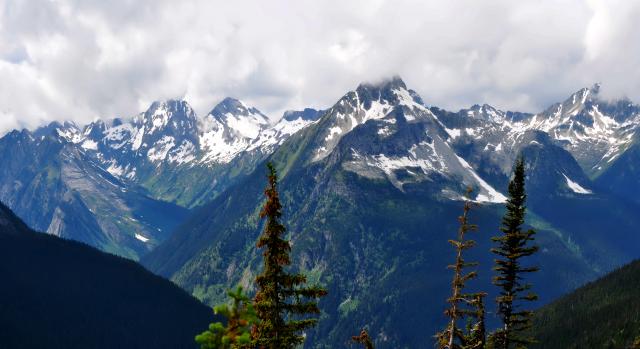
463	304
240	319
363	339
282	304
476	331
513	245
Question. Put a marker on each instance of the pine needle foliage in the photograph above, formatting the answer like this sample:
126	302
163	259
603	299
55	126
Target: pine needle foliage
463	305
476	328
282	303
636	343
513	245
363	339
241	317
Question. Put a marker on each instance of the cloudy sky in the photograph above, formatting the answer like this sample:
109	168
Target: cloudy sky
78	60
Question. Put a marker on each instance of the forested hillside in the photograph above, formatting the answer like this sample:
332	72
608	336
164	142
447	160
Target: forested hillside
602	314
62	294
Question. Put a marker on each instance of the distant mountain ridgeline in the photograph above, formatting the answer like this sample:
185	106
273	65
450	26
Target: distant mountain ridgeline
148	170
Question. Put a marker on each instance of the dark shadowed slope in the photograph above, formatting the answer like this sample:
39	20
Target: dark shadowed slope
57	293
602	314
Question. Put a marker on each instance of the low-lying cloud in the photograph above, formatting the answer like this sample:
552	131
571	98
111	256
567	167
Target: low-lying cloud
78	60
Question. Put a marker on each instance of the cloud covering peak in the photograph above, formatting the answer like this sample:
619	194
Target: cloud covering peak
78	60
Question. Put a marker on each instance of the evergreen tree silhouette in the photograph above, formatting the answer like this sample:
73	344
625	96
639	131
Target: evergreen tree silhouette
282	304
463	305
513	245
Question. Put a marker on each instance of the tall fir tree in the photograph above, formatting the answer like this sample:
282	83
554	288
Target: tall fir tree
513	245
282	304
463	305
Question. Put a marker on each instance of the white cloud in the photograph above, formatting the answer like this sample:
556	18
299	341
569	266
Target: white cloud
77	60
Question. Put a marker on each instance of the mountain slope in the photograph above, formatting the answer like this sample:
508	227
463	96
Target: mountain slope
602	314
57	188
62	294
371	195
622	178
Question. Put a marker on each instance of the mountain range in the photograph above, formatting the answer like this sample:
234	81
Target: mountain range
372	192
147	170
372	187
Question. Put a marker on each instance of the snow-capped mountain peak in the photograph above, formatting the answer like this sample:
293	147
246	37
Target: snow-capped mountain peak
167	131
170	132
241	120
594	130
235	107
230	128
70	132
405	142
173	116
486	112
67	131
370	102
375	101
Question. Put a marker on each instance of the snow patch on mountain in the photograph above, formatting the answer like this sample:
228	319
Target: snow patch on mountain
575	187
141	237
219	149
232	128
161	148
385	131
70	132
289	124
487	192
115	169
160	118
90	145
453	133
332	132
427	161
183	154
248	127
137	139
